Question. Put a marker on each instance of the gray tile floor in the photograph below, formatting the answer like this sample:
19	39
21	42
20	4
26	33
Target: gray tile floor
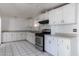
20	48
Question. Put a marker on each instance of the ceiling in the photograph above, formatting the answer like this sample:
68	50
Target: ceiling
25	10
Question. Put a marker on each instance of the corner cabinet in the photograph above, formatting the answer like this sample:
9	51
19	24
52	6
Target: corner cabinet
63	15
31	37
58	46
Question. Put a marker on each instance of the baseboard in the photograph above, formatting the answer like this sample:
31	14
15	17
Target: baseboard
12	41
30	42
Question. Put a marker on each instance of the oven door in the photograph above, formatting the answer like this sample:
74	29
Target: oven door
39	41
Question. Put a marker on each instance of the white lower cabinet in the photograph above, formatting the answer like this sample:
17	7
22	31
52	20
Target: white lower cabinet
47	44
50	45
57	46
13	36
63	46
30	37
54	46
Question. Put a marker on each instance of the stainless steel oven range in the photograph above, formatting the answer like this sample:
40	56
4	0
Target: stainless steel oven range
39	40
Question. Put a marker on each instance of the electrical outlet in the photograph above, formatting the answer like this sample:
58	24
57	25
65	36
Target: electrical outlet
74	30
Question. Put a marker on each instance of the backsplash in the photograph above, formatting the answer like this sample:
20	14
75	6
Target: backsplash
46	26
63	28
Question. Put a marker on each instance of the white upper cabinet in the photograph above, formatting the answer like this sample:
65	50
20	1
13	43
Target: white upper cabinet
63	15
58	15
55	16
69	13
51	17
46	16
43	16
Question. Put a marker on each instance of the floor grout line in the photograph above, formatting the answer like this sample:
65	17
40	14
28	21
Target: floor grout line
20	48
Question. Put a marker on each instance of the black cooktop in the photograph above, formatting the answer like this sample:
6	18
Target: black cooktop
39	34
42	34
44	31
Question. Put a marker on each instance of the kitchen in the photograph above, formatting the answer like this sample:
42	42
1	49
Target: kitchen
52	32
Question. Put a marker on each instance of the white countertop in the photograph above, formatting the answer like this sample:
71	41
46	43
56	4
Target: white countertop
65	34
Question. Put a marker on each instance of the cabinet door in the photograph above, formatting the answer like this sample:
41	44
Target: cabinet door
41	17
53	46
58	15
69	13
47	44
52	20
31	37
59	47
55	16
45	16
66	47
63	46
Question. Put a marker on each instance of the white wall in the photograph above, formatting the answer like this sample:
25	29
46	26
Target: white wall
0	30
63	28
13	23
78	30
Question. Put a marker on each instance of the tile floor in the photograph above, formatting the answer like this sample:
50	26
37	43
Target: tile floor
20	48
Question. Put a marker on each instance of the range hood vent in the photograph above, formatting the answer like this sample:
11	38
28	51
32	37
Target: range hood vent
44	22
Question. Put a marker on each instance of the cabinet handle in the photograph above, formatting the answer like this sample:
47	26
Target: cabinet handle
57	44
62	21
67	47
54	22
57	41
62	41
